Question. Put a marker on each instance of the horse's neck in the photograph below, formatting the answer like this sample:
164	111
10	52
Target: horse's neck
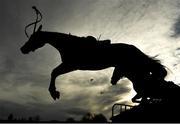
53	38
60	41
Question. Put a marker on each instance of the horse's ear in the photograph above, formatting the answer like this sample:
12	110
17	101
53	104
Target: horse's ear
40	28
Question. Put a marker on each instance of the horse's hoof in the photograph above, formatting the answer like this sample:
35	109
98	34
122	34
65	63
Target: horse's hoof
55	94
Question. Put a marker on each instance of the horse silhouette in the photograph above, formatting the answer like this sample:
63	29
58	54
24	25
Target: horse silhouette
87	53
80	53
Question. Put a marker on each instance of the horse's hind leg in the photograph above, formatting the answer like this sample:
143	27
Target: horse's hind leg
59	70
137	96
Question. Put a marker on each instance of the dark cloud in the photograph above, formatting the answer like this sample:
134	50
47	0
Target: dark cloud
176	25
18	110
74	111
45	111
176	28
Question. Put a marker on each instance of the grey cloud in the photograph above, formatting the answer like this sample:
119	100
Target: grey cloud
93	80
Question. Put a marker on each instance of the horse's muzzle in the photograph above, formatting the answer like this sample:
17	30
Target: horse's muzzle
24	51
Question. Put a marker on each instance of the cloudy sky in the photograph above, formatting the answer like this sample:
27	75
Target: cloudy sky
151	25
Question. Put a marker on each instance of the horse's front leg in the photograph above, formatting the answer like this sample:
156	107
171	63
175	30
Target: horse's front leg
59	70
117	74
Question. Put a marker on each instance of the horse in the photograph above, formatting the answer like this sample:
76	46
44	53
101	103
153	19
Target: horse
81	53
87	53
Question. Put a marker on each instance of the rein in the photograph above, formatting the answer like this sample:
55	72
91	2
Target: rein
38	13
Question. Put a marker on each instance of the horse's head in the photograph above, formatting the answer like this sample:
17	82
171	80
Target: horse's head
35	41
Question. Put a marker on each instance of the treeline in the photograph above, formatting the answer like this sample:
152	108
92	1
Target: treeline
12	118
88	118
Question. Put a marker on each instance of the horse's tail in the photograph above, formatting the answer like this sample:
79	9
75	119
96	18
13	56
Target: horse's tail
157	69
151	64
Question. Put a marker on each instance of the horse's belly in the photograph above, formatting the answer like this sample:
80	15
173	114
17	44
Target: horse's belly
91	63
93	67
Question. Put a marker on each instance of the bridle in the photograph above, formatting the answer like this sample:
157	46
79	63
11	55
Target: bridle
38	14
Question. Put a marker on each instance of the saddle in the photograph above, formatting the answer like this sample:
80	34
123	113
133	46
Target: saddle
90	40
104	42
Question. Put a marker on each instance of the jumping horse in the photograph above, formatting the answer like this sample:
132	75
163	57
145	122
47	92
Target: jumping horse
88	53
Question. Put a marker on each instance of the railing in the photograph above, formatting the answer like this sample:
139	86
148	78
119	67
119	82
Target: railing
121	107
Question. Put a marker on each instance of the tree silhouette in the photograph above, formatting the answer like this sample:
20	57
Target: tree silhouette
99	118
11	117
70	120
90	117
